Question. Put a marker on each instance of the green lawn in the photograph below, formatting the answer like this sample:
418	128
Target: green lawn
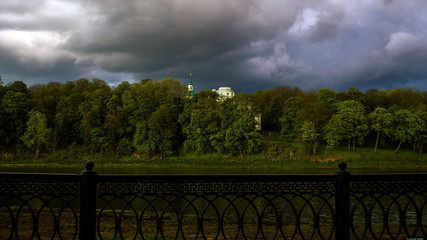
277	154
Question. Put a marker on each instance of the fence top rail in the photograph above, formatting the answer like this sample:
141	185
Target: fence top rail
217	177
389	177
42	176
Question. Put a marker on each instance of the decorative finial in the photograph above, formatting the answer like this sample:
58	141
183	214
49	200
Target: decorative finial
342	166
88	171
89	165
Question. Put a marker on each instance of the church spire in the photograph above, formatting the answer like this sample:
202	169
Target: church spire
190	92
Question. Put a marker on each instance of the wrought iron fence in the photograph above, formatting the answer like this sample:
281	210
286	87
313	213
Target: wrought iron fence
390	206
39	206
91	206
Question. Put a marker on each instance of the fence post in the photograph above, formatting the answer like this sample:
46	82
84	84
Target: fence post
342	203
87	228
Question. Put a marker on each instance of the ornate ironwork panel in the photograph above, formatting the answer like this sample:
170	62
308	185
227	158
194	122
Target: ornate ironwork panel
38	206
380	206
215	207
388	206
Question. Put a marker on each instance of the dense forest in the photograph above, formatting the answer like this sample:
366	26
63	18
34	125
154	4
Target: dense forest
155	118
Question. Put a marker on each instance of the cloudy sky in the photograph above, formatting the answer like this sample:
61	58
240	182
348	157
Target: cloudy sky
245	44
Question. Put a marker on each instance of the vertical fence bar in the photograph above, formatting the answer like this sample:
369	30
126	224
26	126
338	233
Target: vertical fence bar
342	203
88	202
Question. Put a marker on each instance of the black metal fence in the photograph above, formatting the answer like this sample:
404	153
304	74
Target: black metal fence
90	206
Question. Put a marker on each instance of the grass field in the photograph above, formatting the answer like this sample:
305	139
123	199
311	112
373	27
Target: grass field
276	154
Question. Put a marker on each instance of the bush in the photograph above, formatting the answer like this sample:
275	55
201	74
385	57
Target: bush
281	153
125	147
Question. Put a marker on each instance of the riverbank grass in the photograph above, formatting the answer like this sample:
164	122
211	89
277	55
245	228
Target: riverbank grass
279	159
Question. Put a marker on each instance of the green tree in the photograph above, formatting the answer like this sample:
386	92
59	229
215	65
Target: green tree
114	123
355	122
328	97
173	87
350	122
18	86
45	98
376	98
139	102
2	88
289	118
14	109
406	125
125	147
272	104
203	124
356	95
420	135
342	96
2	119
37	135
67	116
157	134
408	98
238	132
333	132
381	121
309	135
93	111
270	119
242	135
128	110
98	141
201	119
141	141
311	109
248	101
142	99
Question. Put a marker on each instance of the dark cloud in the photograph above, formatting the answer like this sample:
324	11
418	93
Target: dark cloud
39	15
19	7
248	46
156	35
326	28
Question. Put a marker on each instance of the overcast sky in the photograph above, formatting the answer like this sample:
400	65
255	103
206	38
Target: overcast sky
245	44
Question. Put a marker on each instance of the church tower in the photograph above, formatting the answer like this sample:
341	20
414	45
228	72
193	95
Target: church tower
190	92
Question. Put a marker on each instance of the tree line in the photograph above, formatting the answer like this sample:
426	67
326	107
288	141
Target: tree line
390	117
147	118
155	118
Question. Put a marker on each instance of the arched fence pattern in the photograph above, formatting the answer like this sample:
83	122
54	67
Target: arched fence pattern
92	206
39	206
216	207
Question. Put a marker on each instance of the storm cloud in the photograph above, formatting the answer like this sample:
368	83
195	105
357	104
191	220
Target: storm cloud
248	45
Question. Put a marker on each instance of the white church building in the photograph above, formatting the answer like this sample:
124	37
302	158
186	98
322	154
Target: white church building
224	92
